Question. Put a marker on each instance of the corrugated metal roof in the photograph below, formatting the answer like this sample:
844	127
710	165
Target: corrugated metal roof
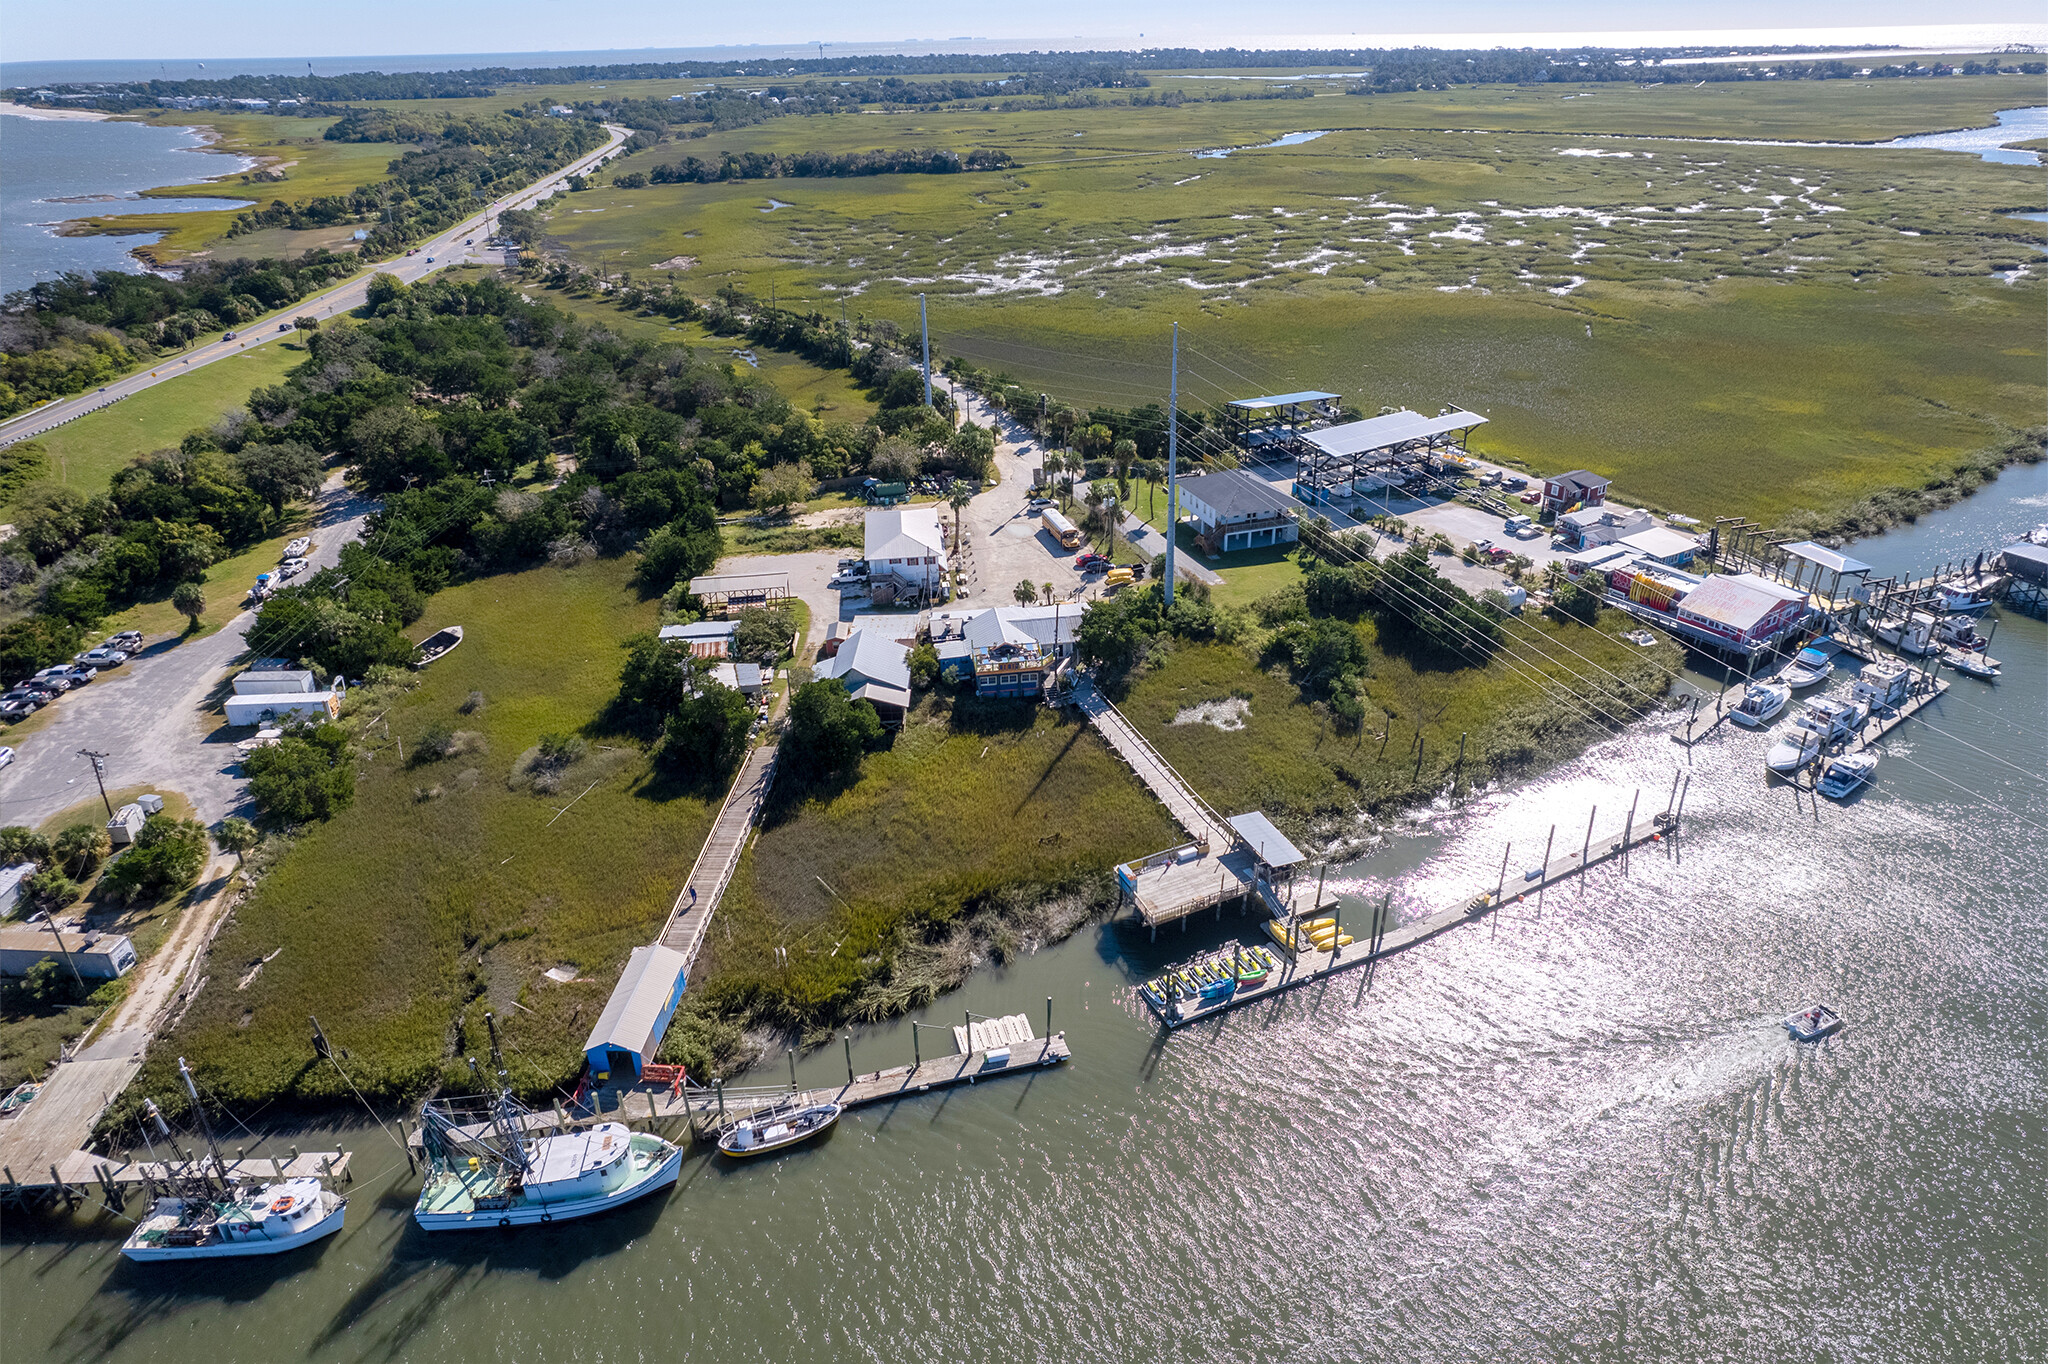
1395	428
1272	846
1737	600
1834	561
637	1002
1281	400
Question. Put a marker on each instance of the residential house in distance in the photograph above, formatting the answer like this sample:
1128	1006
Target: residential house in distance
1577	488
905	549
1602	525
873	668
1233	511
705	638
1664	546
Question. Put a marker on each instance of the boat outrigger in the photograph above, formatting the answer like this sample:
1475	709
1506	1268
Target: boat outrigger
488	1164
206	1216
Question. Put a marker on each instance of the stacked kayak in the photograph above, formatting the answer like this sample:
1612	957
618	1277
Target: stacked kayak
1210	979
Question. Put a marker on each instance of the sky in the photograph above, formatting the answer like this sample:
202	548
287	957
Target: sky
147	29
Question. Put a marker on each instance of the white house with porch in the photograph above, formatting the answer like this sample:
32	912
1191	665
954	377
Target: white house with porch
905	549
1234	511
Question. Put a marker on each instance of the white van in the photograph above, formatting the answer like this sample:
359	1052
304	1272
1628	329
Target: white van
1519	526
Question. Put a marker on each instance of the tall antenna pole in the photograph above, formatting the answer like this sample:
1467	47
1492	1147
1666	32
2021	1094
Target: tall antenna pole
1172	457
925	328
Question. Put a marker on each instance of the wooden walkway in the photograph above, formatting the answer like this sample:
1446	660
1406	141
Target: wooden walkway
698	899
1303	966
1189	810
81	1171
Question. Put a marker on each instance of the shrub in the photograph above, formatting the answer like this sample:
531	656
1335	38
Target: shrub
305	775
19	843
167	858
436	742
708	732
828	730
79	848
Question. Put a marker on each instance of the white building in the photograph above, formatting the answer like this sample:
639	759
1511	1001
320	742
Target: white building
10	885
704	638
905	549
262	709
273	682
1235	511
1601	525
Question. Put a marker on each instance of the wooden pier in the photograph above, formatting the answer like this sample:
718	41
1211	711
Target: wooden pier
1303	966
81	1173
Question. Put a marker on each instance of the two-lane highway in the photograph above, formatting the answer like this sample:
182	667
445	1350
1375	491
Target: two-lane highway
437	254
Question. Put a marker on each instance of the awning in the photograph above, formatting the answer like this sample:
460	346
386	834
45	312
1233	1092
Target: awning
1267	843
1395	428
1281	400
1833	560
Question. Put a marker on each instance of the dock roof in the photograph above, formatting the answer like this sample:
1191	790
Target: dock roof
1395	428
1833	560
1271	846
1281	400
638	1002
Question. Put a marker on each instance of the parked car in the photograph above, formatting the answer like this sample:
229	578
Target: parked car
102	657
1489	551
57	679
80	674
27	698
131	640
6	755
14	707
1089	562
299	548
1489	478
291	568
1514	482
1532	497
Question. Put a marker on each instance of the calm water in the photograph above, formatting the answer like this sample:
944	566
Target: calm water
2014	125
43	161
1574	1137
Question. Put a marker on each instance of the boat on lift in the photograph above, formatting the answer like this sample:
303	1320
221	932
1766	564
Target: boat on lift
206	1217
1844	775
1762	702
491	1163
1811	665
1837	717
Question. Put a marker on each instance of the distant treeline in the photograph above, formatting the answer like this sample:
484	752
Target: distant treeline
770	166
896	79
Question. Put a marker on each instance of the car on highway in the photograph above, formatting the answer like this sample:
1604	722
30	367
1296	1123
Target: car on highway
297	549
6	755
430	260
102	657
227	336
469	241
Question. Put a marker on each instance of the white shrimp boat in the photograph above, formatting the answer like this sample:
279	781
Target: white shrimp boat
1841	778
1957	595
489	1164
1762	702
1811	665
207	1217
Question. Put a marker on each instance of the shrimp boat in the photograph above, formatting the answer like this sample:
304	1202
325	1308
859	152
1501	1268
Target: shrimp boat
207	1217
777	1129
1843	776
1761	703
489	1164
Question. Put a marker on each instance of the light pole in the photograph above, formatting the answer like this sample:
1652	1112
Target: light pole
1172	453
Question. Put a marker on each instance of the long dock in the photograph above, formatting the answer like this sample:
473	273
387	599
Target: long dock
1304	966
698	900
81	1172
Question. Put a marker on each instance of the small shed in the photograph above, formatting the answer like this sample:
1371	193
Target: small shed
126	823
704	638
265	682
255	709
629	1031
10	885
97	956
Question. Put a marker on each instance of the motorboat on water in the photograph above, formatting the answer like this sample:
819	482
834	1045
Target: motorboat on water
1959	595
1911	634
1974	664
1799	743
1839	717
1881	686
1960	632
777	1129
1761	703
205	1216
1842	776
491	1162
1813	1024
1813	664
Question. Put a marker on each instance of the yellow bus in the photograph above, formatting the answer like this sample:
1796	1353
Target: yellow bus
1063	530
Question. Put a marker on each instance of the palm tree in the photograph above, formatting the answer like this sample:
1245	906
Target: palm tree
1026	592
1051	464
236	835
79	848
1122	456
956	499
1046	593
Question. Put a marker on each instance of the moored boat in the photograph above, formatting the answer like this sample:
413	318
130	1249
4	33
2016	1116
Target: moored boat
1842	776
1809	666
1761	703
492	1163
1974	664
778	1129
1799	743
1960	595
1883	685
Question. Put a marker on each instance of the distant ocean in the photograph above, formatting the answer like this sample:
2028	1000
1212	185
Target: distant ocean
1911	37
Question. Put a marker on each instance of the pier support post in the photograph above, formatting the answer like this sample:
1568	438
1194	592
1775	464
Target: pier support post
916	1051
1500	890
1628	829
847	1038
719	1086
1588	848
1336	939
792	1070
1048	1015
1543	882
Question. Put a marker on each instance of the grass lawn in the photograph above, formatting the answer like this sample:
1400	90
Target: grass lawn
447	888
85	453
1288	762
969	801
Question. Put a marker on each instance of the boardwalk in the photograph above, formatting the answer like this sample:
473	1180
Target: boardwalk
699	897
1189	810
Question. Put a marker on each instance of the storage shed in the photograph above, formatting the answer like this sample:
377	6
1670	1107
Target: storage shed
254	710
266	682
629	1031
98	956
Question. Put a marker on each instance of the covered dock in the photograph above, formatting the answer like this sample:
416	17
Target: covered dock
1331	462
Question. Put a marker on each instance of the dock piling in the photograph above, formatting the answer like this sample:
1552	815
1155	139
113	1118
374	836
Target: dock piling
1588	848
1500	890
1628	828
1543	882
847	1038
792	1070
1048	1015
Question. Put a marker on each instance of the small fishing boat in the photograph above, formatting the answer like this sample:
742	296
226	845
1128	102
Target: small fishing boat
1960	632
205	1216
1811	1025
438	645
1813	664
1837	718
1958	595
1799	743
1761	703
1974	664
1845	774
1883	685
776	1130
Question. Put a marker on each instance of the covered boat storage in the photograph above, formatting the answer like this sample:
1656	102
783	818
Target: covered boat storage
1329	464
635	1018
1259	864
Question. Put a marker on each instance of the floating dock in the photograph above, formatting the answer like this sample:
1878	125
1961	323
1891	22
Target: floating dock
1303	966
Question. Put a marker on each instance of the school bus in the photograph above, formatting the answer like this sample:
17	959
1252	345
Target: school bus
1063	530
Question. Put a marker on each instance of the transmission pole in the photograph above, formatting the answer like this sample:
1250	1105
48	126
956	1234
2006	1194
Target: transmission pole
99	774
1172	453
925	328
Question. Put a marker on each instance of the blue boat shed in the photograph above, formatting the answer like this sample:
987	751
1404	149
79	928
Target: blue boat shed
629	1031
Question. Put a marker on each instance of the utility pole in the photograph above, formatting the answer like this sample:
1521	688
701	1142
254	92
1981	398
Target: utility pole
1172	455
924	328
99	774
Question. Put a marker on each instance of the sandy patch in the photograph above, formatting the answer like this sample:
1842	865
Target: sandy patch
676	263
53	115
1226	715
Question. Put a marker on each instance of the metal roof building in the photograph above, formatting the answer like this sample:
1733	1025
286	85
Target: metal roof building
629	1031
1329	462
1267	843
